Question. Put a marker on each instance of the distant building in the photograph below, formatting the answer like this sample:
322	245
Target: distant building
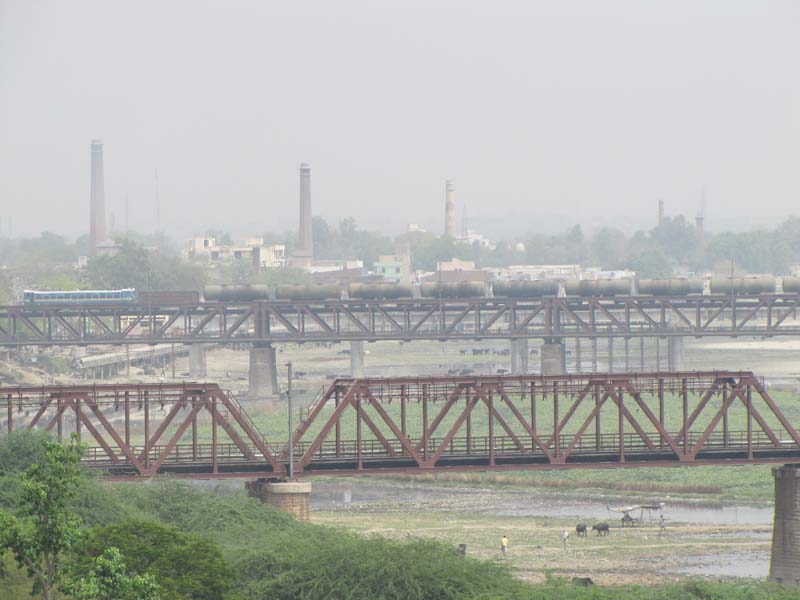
201	244
599	273
456	276
107	248
329	266
471	238
416	228
268	256
455	264
394	268
534	272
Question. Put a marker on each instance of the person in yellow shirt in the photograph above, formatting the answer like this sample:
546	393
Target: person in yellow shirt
504	546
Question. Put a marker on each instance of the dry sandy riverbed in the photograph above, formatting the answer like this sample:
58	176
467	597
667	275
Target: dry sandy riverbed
718	542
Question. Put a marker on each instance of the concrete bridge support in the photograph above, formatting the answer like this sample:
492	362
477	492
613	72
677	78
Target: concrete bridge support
519	356
197	360
263	374
291	497
784	564
554	358
675	353
357	359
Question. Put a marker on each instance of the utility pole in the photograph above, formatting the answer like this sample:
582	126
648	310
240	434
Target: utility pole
291	421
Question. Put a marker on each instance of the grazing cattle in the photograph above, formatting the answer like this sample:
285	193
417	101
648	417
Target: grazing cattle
601	528
580	529
582	581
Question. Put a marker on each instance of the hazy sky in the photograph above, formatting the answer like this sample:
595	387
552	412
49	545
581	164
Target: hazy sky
543	113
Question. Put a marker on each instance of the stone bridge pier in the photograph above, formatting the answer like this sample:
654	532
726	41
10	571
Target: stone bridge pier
519	356
554	358
784	564
263	373
197	360
357	359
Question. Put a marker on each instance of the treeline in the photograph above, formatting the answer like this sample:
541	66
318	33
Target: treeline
66	535
674	246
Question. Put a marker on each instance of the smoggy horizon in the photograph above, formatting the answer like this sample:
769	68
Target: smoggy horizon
544	116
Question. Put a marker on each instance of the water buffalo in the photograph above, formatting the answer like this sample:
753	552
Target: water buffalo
601	528
580	529
582	581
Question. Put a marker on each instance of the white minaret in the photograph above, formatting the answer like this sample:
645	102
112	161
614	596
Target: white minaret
449	209
97	203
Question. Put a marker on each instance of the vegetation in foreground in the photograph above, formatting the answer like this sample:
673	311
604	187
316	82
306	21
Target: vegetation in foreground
165	540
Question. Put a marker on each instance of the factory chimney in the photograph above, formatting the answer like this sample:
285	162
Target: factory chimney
660	211
305	248
449	209
97	204
698	226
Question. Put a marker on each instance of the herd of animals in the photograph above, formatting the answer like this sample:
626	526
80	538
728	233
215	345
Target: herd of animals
582	530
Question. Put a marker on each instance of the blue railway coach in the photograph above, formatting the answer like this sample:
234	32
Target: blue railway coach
79	296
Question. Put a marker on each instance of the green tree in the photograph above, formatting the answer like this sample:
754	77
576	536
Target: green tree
137	267
110	580
184	565
44	529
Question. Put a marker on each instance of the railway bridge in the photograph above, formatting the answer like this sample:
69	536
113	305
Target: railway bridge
430	424
554	320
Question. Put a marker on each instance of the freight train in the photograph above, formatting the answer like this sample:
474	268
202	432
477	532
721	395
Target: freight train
604	288
511	289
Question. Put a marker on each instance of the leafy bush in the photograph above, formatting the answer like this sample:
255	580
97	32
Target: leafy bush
184	565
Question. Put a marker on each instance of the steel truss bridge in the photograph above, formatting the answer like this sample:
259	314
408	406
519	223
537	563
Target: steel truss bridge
420	425
413	319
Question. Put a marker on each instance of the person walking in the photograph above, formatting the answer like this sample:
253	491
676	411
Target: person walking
504	546
564	538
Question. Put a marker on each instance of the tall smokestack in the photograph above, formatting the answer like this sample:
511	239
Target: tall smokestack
306	245
660	211
97	218
698	226
449	209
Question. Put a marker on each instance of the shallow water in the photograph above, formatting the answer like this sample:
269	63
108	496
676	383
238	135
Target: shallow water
333	495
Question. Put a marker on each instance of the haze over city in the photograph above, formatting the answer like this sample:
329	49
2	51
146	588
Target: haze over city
399	301
544	114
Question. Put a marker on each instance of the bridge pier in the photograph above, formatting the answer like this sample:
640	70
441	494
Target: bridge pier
197	360
263	374
675	353
784	564
291	497
610	354
554	358
357	359
519	356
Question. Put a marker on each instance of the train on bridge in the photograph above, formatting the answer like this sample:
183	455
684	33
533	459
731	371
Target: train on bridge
448	290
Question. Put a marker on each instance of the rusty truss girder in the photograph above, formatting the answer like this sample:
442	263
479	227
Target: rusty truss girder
143	430
432	319
422	424
530	422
